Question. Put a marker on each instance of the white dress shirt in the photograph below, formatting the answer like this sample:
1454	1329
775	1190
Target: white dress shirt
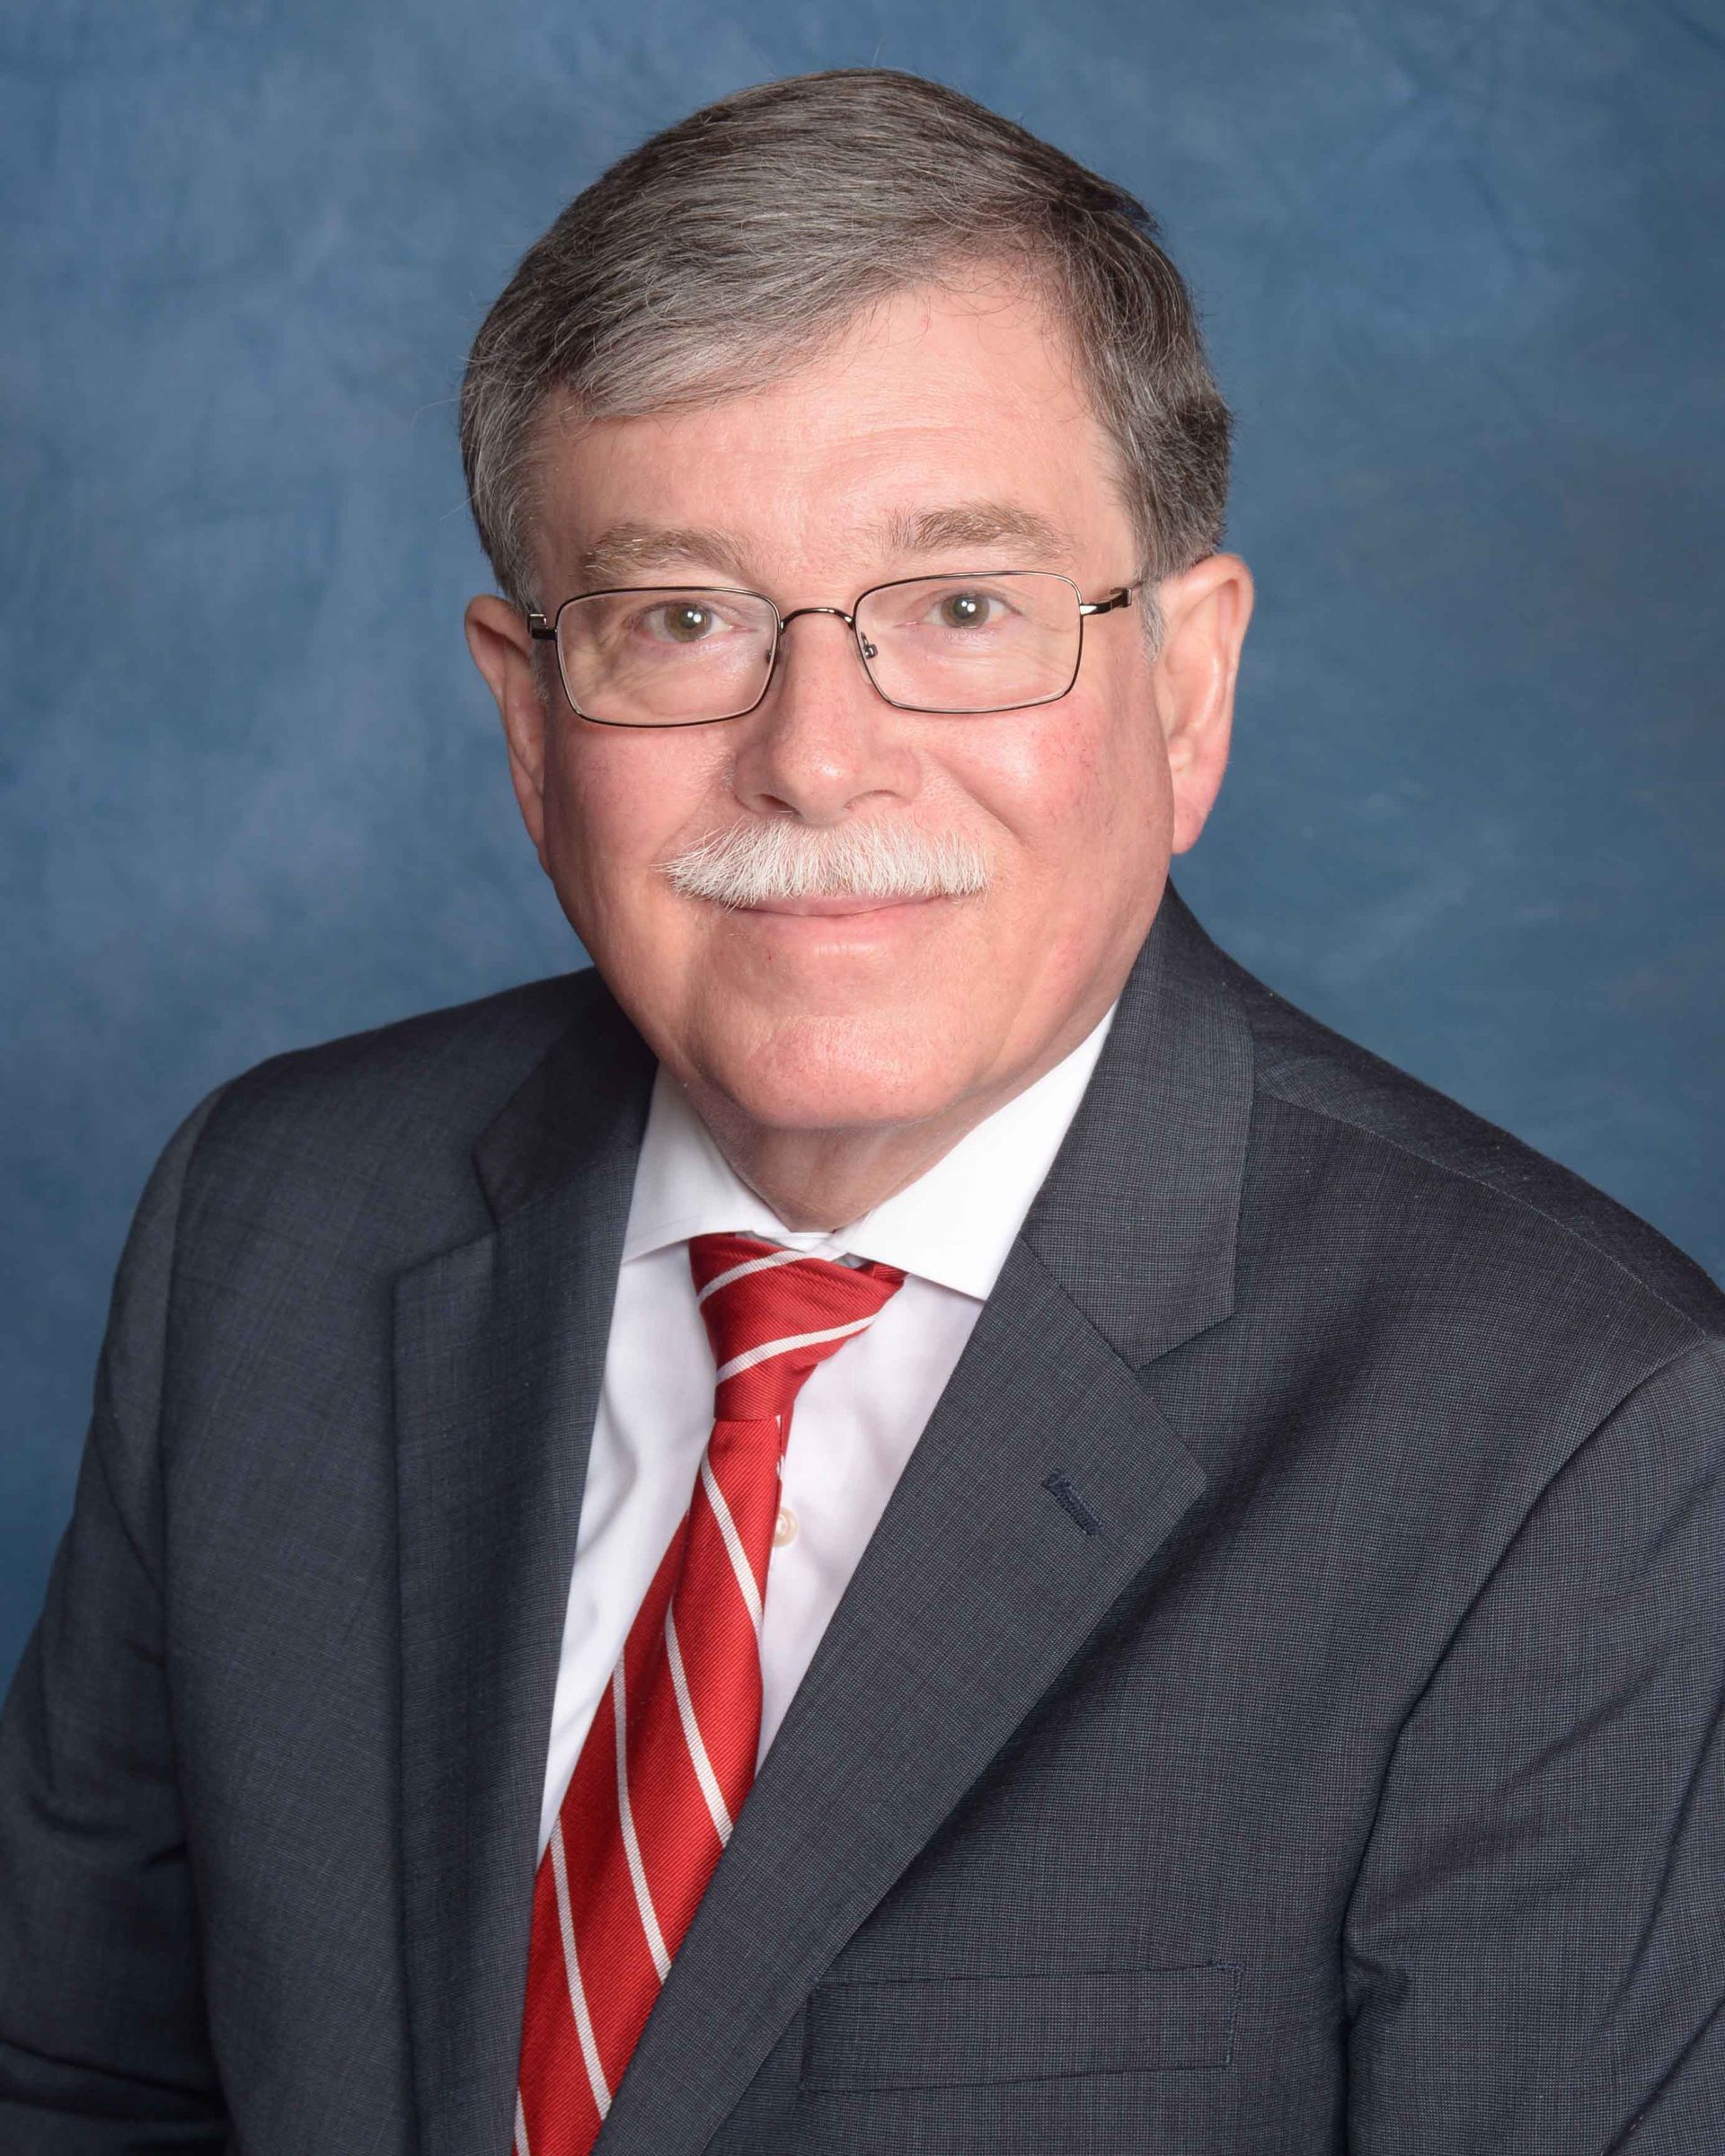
856	1419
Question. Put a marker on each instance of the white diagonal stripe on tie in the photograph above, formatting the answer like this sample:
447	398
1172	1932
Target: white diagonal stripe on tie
595	2079
769	1349
631	1847
733	1545
698	1758
751	1264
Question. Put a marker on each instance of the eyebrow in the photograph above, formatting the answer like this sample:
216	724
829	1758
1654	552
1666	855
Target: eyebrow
973	524
631	549
636	549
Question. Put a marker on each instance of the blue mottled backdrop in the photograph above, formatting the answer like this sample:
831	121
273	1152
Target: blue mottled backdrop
1459	264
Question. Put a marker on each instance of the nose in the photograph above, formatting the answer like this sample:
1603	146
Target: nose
822	743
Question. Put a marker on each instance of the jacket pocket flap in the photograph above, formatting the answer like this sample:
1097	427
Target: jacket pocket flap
935	2032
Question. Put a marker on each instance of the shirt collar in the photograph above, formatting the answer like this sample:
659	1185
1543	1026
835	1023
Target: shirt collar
953	1225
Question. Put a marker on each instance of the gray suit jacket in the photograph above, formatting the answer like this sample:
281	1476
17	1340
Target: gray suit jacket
1280	1710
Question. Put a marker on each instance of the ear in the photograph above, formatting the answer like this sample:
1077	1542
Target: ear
503	646
1204	612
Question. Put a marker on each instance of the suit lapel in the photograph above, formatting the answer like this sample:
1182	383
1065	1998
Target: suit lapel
1044	1482
1139	1214
500	1351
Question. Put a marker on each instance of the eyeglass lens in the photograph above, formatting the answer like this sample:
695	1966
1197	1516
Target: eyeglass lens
959	643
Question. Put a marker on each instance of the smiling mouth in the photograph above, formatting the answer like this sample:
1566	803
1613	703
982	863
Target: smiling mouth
838	908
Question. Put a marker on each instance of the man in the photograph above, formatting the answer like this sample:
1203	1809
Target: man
914	1516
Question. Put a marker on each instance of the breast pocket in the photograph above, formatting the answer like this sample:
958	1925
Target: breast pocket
948	2031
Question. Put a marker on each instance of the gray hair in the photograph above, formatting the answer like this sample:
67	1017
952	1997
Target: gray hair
722	251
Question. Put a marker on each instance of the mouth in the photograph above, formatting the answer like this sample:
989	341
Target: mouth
838	908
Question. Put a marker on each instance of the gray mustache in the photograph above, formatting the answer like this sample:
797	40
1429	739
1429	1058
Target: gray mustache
772	858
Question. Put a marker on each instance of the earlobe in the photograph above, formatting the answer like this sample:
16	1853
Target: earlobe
501	645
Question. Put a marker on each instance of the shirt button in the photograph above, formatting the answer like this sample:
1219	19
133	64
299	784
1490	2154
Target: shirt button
784	1528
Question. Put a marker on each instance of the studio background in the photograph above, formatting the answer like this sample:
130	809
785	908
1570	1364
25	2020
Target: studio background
1459	269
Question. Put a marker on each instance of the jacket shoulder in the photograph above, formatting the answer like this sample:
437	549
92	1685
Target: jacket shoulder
1520	1194
443	1066
380	1127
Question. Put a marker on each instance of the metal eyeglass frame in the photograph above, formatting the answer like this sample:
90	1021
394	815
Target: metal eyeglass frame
543	628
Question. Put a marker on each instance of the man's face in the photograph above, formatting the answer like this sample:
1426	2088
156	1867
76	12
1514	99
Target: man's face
942	432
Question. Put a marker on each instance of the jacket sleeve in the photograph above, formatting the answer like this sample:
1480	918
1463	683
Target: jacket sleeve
102	2040
1534	1948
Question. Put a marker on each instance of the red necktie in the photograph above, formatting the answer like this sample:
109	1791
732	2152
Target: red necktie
671	1753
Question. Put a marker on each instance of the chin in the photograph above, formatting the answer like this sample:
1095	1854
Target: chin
831	1073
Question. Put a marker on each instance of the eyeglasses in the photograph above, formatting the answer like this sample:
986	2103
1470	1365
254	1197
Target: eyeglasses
963	643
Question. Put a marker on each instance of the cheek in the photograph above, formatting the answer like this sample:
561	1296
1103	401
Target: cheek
1078	785
617	802
623	798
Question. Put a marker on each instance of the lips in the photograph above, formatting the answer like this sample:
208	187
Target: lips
829	908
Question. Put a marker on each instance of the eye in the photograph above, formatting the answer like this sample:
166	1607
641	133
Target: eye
968	609
680	621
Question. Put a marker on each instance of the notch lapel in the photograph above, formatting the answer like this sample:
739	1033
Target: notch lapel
499	1352
981	1583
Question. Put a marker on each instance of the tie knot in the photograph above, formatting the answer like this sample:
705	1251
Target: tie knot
772	1314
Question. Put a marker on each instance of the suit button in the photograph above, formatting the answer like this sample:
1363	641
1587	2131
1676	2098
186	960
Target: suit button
784	1528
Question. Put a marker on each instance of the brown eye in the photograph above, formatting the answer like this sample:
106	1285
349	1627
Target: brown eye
963	610
686	624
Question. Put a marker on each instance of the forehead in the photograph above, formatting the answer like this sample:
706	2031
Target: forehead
937	420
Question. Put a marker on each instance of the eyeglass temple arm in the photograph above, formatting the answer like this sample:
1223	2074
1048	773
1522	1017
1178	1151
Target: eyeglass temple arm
1120	599
541	629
